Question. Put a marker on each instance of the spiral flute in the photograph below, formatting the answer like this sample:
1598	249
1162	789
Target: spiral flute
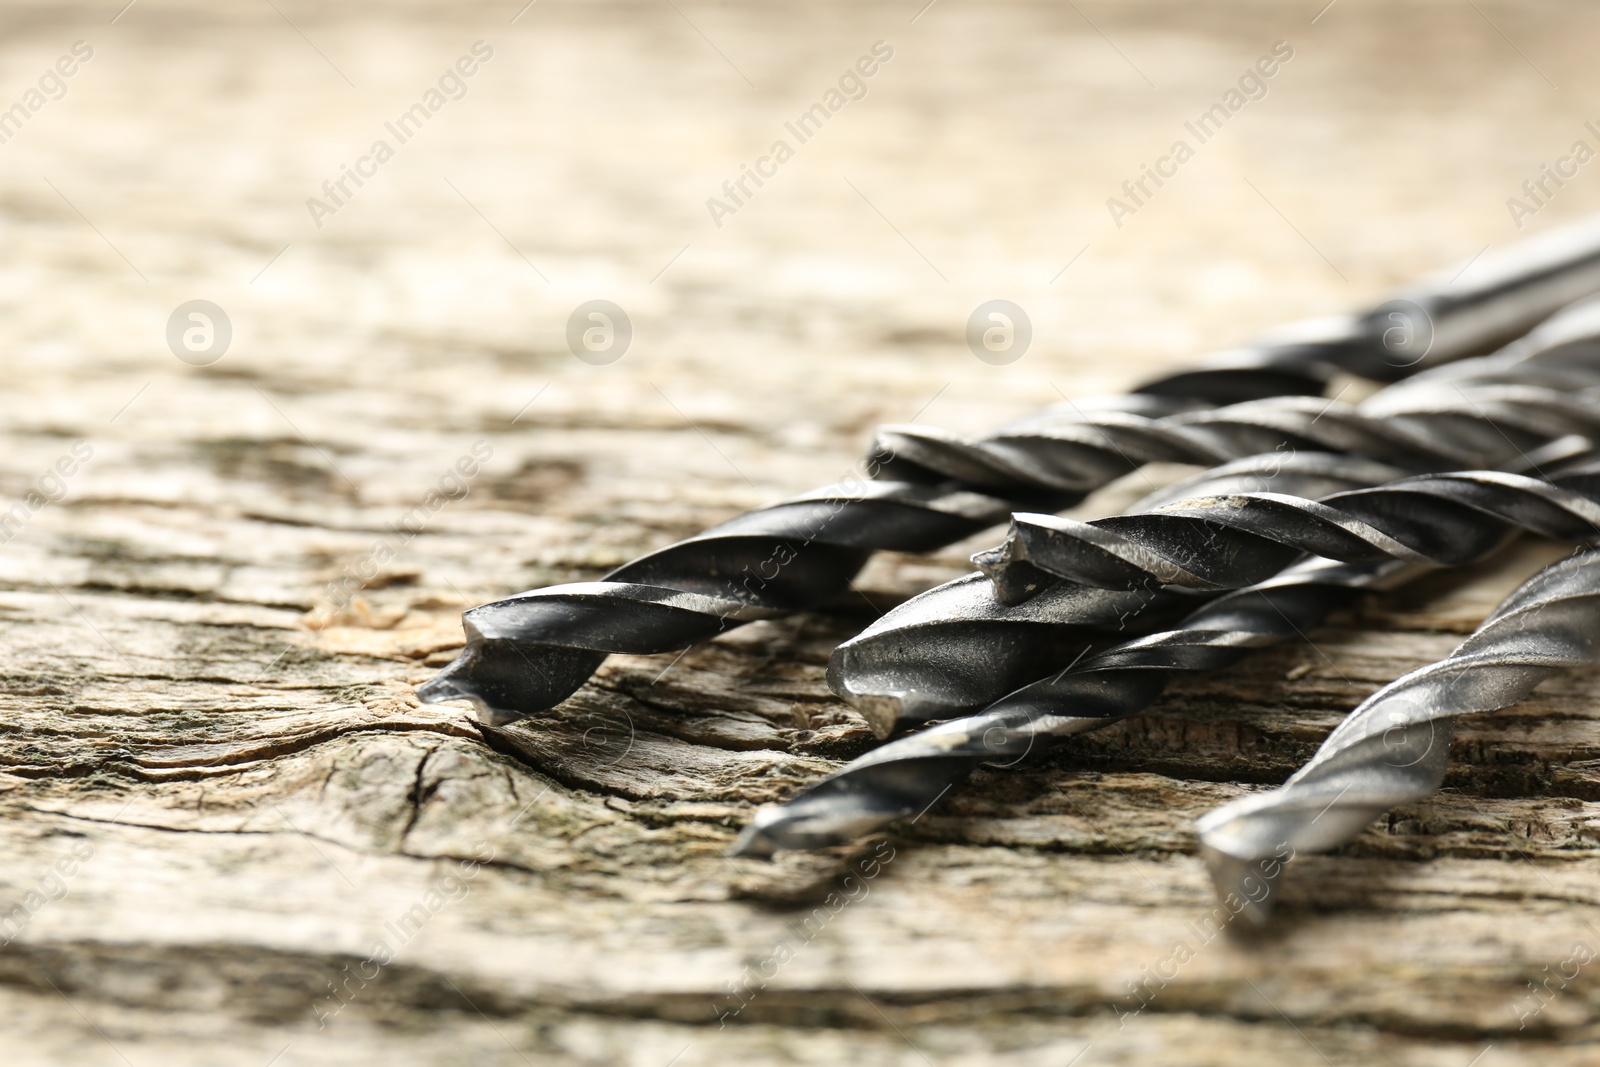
910	774
1394	747
531	651
1214	543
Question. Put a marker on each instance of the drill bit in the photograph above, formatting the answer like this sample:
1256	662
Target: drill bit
1094	445
529	652
908	775
1215	543
1487	411
962	645
1394	747
957	647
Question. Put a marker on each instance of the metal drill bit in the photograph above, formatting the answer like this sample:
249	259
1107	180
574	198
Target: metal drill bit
1070	447
1215	543
908	775
531	651
1394	747
1485	412
962	645
957	647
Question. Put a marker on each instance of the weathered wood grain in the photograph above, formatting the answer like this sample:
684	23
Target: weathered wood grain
219	799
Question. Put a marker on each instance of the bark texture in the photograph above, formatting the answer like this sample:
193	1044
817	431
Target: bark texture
232	835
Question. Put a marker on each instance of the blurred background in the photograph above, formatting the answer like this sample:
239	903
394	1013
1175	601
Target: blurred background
578	166
171	612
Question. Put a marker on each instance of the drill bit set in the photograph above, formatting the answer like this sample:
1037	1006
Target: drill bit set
1068	626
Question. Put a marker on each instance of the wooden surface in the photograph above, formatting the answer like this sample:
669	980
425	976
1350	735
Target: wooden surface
213	808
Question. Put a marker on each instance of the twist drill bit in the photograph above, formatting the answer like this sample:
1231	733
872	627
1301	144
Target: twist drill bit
1482	412
908	775
957	647
1394	747
531	651
962	645
1090	448
1229	542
